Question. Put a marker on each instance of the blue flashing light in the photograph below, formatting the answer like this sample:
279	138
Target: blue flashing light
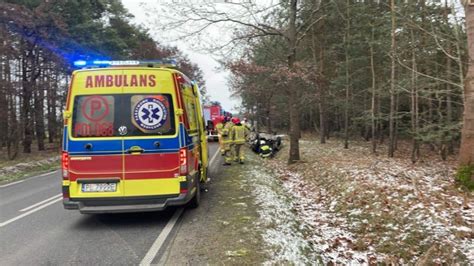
106	63
101	63
80	63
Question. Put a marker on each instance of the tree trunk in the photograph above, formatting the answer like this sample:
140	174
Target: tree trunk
414	105
466	153
26	104
346	105
321	89
14	135
391	143
372	106
269	121
13	130
3	103
449	106
39	116
459	56
293	93
51	99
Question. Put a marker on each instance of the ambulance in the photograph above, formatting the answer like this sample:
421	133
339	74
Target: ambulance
134	138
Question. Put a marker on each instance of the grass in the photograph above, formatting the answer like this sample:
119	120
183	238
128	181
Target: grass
377	195
28	164
465	176
29	171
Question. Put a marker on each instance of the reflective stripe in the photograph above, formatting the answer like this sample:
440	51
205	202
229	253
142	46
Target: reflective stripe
265	148
238	134
227	130
219	128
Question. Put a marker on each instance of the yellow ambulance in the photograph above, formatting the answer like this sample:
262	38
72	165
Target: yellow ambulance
134	138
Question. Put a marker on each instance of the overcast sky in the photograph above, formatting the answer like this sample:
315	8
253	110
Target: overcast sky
216	80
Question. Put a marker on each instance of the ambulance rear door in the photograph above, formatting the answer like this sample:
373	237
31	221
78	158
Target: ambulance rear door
152	143
95	145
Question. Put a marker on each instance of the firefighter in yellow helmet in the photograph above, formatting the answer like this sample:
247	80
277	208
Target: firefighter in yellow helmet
219	127
227	140
238	134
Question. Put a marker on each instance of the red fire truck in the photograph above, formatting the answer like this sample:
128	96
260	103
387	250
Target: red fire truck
212	115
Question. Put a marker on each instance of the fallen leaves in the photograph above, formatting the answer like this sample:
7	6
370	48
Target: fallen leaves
377	209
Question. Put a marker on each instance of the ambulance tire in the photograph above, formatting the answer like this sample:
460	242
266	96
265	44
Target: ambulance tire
196	200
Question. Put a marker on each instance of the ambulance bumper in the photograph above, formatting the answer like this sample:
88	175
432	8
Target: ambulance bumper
126	204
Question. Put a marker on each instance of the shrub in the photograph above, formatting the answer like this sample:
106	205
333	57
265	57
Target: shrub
465	176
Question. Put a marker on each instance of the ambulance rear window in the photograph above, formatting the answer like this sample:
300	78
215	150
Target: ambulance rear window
122	115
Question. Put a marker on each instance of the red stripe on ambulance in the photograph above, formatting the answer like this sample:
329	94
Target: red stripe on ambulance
97	166
160	165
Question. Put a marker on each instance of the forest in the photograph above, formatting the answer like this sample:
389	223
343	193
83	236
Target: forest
383	71
40	40
377	70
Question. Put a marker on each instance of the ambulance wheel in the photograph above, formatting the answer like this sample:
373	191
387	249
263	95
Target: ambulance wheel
196	200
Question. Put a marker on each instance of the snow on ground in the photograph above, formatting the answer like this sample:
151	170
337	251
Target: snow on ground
281	228
328	238
21	167
360	208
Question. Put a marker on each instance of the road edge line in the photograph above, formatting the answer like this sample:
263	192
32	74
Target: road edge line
163	236
160	240
29	212
12	183
213	158
39	203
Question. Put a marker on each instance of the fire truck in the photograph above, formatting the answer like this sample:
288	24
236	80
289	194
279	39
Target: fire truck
212	114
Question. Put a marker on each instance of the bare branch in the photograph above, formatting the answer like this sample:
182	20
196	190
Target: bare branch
310	26
460	86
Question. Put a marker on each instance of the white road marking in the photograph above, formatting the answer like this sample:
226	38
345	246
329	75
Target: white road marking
160	240
29	212
11	184
214	157
45	174
39	203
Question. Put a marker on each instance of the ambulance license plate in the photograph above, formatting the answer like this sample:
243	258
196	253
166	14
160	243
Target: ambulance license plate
99	187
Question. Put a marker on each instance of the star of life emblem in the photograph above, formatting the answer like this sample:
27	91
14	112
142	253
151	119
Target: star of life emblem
150	114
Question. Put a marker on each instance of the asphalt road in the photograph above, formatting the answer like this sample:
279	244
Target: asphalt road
36	230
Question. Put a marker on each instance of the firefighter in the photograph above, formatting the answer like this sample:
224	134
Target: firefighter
227	140
219	127
264	149
238	134
246	124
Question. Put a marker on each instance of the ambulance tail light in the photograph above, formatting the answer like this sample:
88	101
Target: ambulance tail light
65	165
183	161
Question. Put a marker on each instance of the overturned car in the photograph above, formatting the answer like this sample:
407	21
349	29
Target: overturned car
266	145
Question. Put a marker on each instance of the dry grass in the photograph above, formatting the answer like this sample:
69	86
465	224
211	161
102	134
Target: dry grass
27	164
380	209
52	149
